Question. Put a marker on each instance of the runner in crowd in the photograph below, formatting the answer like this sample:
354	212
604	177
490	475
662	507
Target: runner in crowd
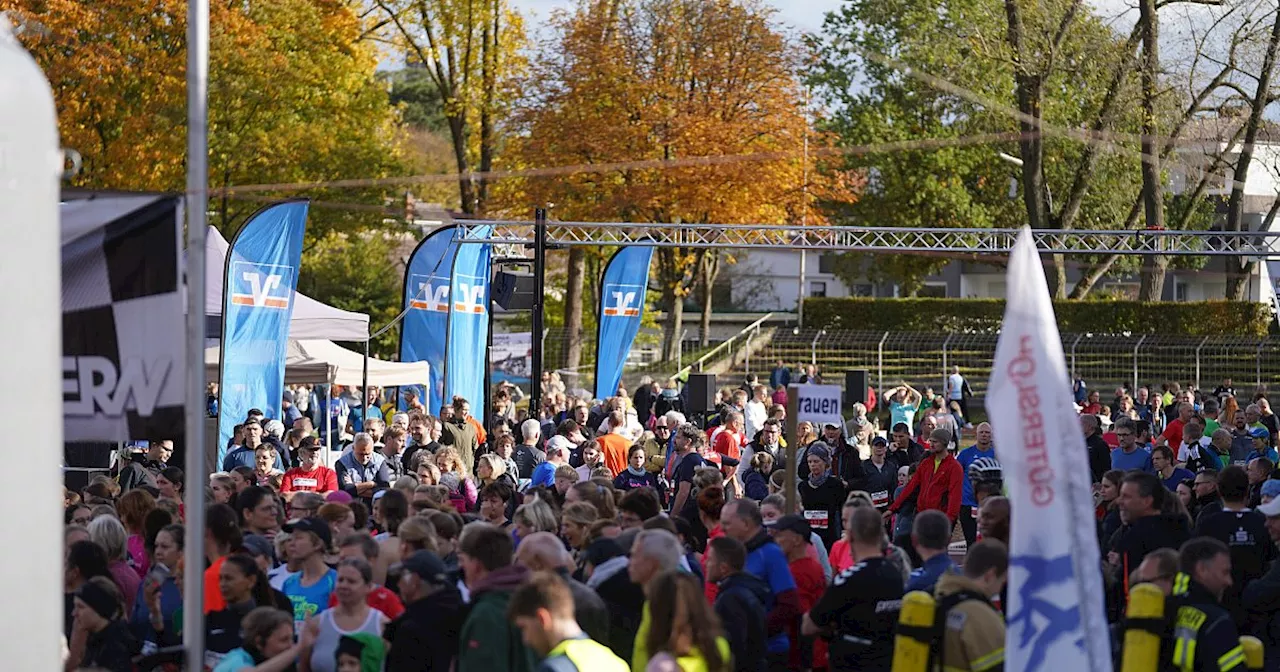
596	571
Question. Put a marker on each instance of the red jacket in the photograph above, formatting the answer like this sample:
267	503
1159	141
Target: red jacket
939	488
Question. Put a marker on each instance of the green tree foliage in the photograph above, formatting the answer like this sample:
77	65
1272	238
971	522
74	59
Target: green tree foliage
965	185
352	272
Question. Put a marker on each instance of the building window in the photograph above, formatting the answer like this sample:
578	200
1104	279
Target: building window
1179	290
817	289
827	263
933	290
862	289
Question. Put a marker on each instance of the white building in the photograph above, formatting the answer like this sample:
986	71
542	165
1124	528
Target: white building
769	280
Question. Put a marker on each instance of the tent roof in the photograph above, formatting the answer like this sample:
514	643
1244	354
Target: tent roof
311	319
82	212
320	361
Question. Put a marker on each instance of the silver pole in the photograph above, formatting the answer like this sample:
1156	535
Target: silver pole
196	208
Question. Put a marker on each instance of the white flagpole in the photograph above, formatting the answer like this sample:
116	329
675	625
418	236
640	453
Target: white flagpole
196	207
1056	619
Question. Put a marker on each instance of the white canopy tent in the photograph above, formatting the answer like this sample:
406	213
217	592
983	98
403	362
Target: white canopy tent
320	361
311	319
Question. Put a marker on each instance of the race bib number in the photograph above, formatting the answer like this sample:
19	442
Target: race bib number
879	499
817	519
305	482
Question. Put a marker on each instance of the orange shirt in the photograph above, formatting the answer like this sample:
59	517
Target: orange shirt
614	447
212	591
480	433
729	444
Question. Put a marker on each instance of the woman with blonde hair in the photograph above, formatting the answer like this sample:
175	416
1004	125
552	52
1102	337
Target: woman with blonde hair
805	434
684	632
576	524
534	516
493	469
456	475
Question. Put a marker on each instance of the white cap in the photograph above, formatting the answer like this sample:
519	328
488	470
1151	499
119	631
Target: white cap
1271	509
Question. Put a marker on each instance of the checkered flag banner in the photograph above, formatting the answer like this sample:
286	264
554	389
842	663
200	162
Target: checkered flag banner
122	318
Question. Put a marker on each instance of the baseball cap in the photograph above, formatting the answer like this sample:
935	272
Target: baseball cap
879	441
426	565
316	526
258	546
834	425
1260	433
1270	488
1271	509
793	523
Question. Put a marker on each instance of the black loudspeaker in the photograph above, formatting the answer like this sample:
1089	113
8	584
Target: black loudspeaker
514	291
855	387
701	392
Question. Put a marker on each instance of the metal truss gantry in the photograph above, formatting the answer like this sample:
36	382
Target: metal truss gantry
877	239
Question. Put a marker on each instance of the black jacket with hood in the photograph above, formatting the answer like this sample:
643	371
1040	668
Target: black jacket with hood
740	606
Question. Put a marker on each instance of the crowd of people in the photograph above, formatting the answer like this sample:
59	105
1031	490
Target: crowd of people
620	534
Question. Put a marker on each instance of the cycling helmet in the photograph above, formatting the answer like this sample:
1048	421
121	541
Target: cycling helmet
986	469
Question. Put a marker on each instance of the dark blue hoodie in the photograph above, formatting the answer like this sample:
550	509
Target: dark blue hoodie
740	606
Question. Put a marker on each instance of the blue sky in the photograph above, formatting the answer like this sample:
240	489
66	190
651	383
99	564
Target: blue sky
805	15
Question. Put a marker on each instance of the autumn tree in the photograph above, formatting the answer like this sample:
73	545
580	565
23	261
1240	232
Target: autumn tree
644	80
470	50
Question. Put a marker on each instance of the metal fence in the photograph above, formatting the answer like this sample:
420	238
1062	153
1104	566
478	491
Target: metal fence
1104	362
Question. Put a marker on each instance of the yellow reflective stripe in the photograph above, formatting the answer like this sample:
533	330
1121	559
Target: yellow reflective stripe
1181	583
988	661
1191	655
1179	651
1231	659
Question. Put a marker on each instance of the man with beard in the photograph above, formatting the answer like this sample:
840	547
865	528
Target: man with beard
768	440
938	481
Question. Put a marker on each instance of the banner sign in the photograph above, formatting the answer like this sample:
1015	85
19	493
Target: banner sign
512	358
1055	612
426	317
819	404
622	298
468	328
123	343
258	290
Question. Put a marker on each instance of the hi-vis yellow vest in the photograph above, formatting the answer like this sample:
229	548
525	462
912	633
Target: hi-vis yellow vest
589	656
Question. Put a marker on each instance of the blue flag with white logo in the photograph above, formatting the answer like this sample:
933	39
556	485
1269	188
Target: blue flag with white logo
257	305
468	330
426	313
622	291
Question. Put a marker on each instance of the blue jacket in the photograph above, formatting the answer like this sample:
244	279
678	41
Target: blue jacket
966	458
170	605
926	576
351	472
244	457
766	561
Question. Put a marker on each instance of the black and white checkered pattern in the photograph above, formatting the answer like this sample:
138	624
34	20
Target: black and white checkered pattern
122	318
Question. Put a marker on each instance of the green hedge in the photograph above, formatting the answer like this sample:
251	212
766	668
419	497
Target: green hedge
1203	318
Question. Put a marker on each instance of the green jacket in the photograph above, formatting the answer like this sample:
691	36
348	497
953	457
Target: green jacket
461	436
489	640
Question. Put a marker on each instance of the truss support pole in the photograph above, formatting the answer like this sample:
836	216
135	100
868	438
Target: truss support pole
1257	360
880	365
1073	353
539	291
945	345
1198	349
1137	347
